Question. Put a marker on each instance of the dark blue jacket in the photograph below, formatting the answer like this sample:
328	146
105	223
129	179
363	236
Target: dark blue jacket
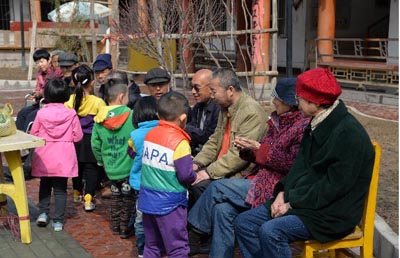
199	137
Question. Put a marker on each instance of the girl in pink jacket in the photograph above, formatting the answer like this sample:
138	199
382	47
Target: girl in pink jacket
55	162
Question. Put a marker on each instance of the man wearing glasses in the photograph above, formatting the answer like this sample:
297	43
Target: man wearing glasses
240	116
203	117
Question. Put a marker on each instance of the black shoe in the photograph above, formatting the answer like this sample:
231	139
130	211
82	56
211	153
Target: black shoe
205	245
124	234
195	240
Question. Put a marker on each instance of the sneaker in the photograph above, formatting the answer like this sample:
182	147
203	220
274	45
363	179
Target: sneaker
89	205
140	256
58	226
42	220
77	196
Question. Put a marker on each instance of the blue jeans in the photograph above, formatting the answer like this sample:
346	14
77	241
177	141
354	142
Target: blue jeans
216	210
139	232
259	235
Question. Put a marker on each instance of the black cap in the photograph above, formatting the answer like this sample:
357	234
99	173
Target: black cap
156	75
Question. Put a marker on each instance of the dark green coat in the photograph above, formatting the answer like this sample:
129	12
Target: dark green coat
329	180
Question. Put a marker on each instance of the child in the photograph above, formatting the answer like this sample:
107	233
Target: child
44	73
109	143
167	171
144	119
87	106
56	161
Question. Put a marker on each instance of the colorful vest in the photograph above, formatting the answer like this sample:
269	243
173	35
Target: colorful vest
160	190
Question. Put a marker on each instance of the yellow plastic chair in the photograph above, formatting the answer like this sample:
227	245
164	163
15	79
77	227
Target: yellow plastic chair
363	234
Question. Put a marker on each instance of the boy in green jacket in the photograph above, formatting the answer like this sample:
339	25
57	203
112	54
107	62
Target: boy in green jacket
111	132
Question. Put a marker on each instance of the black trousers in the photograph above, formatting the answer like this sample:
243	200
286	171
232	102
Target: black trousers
196	190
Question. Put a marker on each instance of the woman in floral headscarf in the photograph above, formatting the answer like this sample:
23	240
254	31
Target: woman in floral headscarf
214	213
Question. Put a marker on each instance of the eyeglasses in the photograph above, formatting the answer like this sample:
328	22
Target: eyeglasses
198	87
296	98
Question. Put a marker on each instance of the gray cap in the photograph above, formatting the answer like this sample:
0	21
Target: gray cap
67	59
156	75
56	52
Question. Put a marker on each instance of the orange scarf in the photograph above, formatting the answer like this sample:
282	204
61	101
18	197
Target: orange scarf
226	138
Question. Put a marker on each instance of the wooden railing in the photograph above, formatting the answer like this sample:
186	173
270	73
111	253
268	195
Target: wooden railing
363	62
370	49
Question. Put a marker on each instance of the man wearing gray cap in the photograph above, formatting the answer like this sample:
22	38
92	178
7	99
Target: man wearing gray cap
157	81
67	62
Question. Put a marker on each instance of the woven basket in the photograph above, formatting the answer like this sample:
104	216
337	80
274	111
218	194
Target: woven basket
7	123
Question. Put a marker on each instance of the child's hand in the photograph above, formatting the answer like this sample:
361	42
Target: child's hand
37	94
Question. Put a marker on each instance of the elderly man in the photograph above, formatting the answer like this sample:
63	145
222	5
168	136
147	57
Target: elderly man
323	195
157	81
67	62
240	116
102	67
204	114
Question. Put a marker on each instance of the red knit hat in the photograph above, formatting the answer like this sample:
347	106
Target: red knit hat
318	86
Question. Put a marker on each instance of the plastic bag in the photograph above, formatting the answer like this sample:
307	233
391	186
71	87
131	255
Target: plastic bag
7	123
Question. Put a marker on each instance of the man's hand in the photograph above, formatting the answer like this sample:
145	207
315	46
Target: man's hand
195	167
201	176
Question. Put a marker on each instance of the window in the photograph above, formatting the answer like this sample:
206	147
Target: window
4	15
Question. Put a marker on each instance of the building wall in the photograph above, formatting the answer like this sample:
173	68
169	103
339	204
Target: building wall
299	40
394	31
352	21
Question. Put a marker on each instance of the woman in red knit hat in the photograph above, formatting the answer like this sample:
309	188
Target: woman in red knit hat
323	195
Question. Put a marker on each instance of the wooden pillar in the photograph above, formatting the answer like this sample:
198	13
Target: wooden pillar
261	20
142	13
114	6
92	29
187	52
38	11
33	36
326	28
243	52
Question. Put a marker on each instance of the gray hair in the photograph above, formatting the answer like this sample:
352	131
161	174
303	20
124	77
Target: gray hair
227	77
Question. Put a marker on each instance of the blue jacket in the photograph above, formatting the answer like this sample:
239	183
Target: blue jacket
137	138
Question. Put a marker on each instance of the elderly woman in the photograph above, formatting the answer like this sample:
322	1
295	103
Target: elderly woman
323	195
214	213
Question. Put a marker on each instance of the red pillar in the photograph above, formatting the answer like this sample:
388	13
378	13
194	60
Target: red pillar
326	28
261	20
187	52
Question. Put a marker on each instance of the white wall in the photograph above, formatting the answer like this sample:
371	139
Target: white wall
15	10
394	31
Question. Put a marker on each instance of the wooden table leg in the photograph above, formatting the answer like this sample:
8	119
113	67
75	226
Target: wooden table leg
3	197
19	196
